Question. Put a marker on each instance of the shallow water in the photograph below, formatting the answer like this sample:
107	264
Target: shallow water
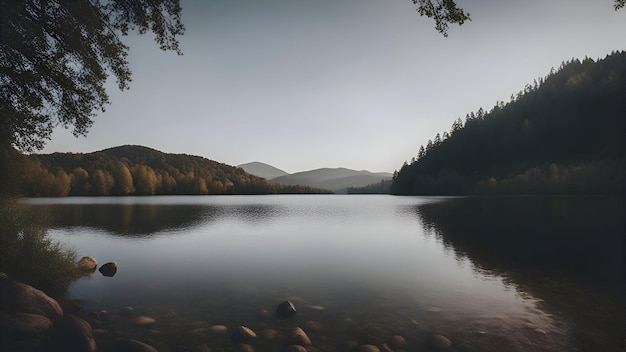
379	265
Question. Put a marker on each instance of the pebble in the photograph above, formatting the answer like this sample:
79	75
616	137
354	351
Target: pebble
143	320
245	333
218	329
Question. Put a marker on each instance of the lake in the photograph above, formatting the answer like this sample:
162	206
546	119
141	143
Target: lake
457	274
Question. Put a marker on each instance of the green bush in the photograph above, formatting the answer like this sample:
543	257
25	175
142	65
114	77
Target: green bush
29	255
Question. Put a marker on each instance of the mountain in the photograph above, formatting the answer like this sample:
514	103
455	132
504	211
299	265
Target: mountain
335	179
137	170
262	170
564	134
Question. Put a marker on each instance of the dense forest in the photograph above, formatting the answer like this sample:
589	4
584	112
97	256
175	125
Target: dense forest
136	170
564	134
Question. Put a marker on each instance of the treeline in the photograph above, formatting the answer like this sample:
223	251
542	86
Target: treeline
381	187
562	134
136	170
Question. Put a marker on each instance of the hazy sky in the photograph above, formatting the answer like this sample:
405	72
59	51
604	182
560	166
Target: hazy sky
305	84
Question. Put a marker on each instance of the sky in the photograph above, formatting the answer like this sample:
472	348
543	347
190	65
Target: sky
361	84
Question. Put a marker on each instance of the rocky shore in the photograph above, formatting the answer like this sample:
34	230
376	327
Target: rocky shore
30	320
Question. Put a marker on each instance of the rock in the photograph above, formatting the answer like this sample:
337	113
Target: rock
269	334
244	347
313	325
218	329
440	342
350	344
317	308
299	337
285	309
295	348
368	348
143	320
130	345
434	309
23	326
127	311
243	333
71	333
197	333
108	269
87	265
17	297
201	348
396	342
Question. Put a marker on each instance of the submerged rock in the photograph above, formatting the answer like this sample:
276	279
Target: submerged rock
143	320
396	342
244	347
71	333
87	265
368	348
285	309
243	333
218	329
299	337
440	342
108	269
130	345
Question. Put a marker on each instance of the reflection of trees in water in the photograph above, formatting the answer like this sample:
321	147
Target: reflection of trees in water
148	219
566	250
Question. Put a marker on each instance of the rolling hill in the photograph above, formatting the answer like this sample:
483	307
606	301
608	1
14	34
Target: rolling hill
337	180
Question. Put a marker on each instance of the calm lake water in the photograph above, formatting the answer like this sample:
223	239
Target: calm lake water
493	274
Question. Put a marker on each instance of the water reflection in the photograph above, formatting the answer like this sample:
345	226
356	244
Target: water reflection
140	219
380	265
568	251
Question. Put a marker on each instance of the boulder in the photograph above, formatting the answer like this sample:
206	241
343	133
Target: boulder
87	265
285	309
130	345
71	333
108	269
17	297
299	337
22	326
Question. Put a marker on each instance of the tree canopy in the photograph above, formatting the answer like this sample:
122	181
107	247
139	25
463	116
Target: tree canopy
562	134
55	57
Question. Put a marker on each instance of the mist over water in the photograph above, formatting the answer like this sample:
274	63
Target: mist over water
380	265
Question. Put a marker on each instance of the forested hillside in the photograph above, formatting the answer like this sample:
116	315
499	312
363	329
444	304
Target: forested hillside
562	134
136	170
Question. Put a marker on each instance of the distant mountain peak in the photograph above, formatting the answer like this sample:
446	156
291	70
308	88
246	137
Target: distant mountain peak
260	169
